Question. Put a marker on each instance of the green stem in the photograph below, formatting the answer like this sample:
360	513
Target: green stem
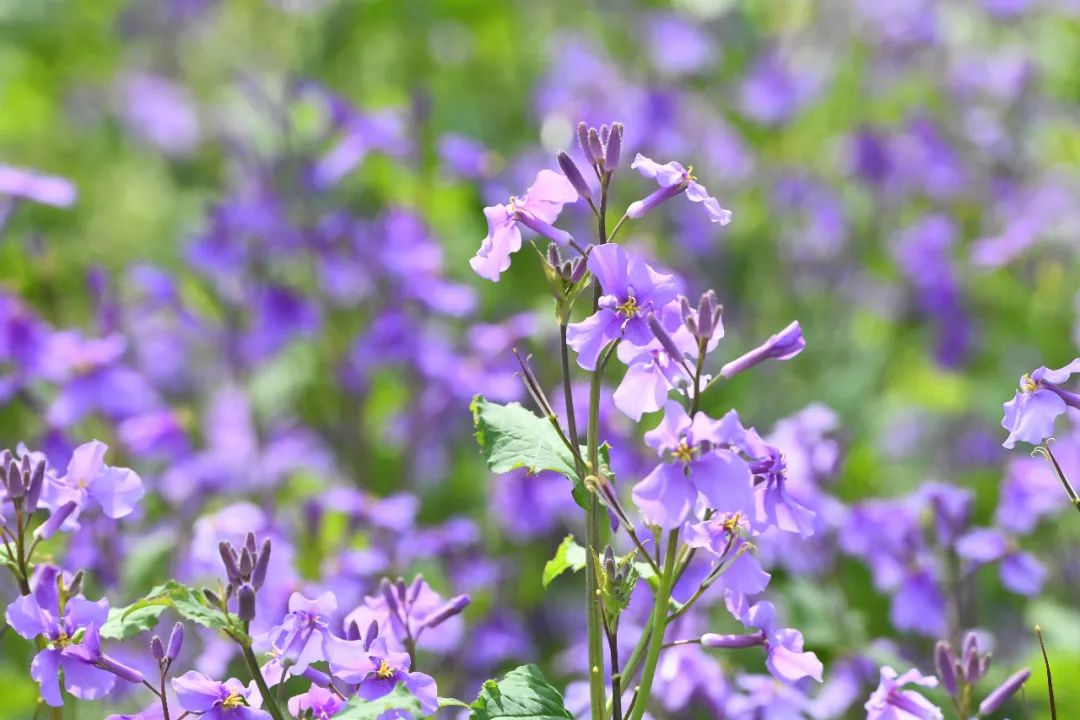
659	623
253	666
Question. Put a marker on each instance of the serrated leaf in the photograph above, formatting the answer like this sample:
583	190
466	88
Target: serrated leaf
187	602
569	556
397	699
523	694
127	622
511	437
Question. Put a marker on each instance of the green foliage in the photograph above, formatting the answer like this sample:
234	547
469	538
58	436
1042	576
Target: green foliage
187	602
569	556
512	437
524	694
398	699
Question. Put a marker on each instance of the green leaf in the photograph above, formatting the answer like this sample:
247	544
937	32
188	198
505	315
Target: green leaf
512	437
569	556
524	694
397	699
127	622
186	601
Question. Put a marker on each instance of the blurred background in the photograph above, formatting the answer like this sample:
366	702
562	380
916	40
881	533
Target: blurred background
248	274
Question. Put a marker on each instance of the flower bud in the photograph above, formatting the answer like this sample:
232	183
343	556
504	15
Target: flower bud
371	634
176	641
228	558
596	147
578	270
573	174
317	677
49	528
247	563
33	491
15	486
390	597
665	339
785	345
447	611
583	142
249	542
157	649
1003	692
974	663
609	562
713	640
120	670
708	315
245	603
613	147
945	664
258	575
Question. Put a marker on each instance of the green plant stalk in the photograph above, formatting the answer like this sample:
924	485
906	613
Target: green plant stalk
256	672
597	691
659	625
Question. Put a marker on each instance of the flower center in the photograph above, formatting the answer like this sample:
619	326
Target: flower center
1028	385
385	672
731	523
234	700
629	308
683	451
62	640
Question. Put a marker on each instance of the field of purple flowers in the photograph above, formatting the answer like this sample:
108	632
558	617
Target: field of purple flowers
380	359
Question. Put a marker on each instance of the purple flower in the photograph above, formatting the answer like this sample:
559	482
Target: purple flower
31	185
322	704
773	506
376	671
697	462
785	658
784	345
719	535
631	290
674	179
213	700
1020	571
301	637
919	605
40	614
891	702
1030	415
115	490
537	209
409	613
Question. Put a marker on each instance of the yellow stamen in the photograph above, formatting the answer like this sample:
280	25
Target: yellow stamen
384	672
233	701
629	308
1027	384
683	452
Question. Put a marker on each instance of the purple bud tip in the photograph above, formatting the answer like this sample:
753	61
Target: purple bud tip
613	147
708	314
371	634
37	482
389	596
972	663
1003	692
785	345
317	677
258	575
662	335
245	603
573	174
713	640
120	670
596	147
49	528
16	487
176	641
583	142
247	563
945	663
228	558
157	649
249	542
415	588
448	610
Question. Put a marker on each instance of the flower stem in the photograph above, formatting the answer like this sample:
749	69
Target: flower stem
1073	497
260	682
659	626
